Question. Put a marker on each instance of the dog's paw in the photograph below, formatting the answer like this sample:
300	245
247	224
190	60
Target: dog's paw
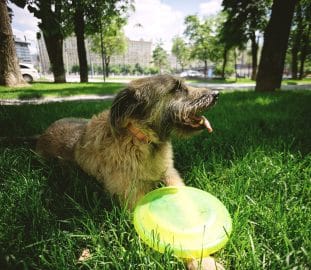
208	263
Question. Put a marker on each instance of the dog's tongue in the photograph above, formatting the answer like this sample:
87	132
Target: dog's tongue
206	123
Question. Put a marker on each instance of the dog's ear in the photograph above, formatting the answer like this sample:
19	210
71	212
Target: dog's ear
124	106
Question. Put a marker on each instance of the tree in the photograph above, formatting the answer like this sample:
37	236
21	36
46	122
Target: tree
181	51
159	57
299	41
54	24
200	39
138	69
246	19
275	45
10	74
111	41
79	7
101	14
89	17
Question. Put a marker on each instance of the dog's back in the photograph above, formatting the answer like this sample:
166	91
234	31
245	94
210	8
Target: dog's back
59	139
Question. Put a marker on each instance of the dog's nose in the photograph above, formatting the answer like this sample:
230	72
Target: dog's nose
215	94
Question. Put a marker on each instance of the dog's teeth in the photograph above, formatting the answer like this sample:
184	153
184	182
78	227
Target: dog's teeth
202	121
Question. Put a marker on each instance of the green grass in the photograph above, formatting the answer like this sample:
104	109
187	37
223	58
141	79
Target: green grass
257	162
219	80
247	80
39	90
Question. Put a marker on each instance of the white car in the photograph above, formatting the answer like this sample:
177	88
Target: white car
191	73
29	73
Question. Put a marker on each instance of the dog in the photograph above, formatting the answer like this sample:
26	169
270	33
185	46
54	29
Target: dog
128	148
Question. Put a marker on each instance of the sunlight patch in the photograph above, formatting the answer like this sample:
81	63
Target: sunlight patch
263	101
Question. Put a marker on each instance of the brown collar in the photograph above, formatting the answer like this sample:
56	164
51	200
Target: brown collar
137	133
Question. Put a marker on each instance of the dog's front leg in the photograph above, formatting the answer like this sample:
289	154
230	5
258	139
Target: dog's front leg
207	263
172	178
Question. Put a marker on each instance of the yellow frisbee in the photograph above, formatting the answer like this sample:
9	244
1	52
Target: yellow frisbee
189	221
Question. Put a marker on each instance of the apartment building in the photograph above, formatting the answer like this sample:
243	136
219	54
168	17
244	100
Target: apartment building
22	50
137	52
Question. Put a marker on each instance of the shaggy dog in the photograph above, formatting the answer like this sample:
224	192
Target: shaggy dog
127	148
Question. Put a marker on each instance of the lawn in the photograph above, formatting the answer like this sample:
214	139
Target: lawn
247	80
257	162
47	89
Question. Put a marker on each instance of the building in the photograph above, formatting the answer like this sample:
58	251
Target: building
22	51
44	62
137	52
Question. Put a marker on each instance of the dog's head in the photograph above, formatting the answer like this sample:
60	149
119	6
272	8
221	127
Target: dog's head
162	104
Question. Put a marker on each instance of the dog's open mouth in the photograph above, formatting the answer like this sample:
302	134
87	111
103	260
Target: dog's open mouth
198	122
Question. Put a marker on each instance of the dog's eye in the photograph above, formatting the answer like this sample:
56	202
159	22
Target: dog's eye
180	90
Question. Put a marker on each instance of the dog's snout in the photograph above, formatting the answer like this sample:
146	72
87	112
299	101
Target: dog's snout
215	94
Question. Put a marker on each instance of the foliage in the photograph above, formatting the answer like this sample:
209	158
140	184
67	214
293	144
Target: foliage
199	35
53	15
105	20
202	38
133	70
159	56
181	51
100	14
75	69
138	69
245	19
299	40
229	70
114	40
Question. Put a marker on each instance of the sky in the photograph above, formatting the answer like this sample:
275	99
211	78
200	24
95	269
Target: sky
159	20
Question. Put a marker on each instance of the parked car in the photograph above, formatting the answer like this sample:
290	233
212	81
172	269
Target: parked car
191	73
29	73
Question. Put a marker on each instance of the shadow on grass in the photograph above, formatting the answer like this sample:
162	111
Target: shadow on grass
62	90
30	95
55	211
239	119
244	121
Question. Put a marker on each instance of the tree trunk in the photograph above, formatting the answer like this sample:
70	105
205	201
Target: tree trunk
102	51
305	49
107	63
296	43
254	56
54	46
271	65
224	63
294	64
79	26
235	65
10	74
205	68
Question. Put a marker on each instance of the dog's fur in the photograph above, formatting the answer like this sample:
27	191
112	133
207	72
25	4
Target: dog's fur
127	148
